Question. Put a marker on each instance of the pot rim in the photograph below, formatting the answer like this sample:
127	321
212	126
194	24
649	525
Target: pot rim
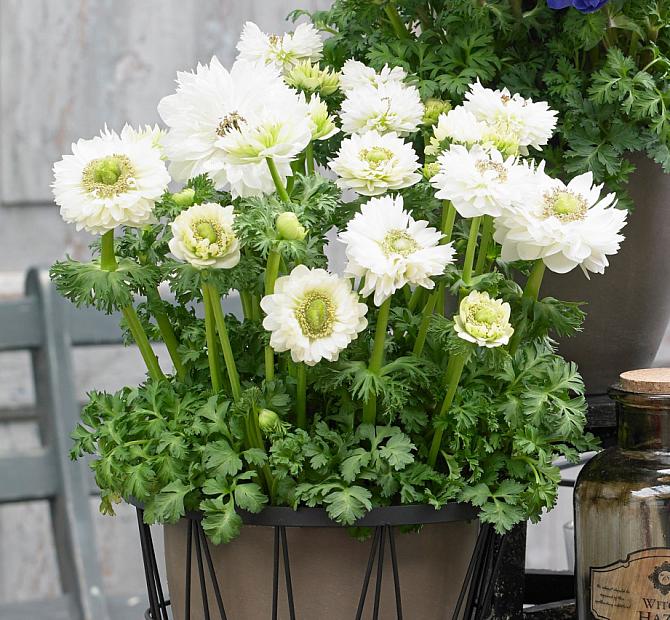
410	514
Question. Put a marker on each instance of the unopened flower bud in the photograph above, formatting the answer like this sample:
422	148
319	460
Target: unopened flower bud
433	109
268	421
430	169
289	227
185	197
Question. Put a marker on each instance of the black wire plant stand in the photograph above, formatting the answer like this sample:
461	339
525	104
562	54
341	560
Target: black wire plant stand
474	601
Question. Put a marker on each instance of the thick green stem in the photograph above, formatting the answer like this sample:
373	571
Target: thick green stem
107	255
532	288
245	300
396	22
271	273
487	237
166	330
426	317
415	299
281	190
454	372
140	338
376	359
448	220
517	9
227	350
108	263
470	249
210	338
530	291
309	158
301	396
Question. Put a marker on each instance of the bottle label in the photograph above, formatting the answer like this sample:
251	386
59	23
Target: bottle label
637	588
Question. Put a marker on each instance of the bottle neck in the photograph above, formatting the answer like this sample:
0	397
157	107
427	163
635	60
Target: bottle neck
643	427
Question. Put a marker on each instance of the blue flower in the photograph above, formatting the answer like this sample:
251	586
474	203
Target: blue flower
585	6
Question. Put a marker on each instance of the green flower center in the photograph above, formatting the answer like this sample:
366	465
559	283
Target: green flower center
211	239
484	314
398	242
564	205
109	176
484	165
316	315
376	156
232	121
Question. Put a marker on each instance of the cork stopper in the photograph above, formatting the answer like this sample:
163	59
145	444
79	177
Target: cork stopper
646	381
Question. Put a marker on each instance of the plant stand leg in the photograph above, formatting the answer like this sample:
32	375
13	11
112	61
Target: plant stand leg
508	587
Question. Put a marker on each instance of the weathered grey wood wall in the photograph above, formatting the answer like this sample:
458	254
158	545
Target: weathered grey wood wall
67	67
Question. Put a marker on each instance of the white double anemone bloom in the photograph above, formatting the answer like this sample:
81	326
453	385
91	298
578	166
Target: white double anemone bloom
226	123
564	225
313	314
495	119
372	163
387	248
388	107
203	236
283	51
355	74
480	181
483	320
111	180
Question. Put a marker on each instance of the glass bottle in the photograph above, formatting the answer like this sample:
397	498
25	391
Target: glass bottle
622	509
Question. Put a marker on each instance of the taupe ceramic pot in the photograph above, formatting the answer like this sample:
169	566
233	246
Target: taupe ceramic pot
627	307
327	570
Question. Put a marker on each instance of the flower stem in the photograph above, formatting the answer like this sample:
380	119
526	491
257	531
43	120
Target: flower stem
166	330
448	220
517	9
301	396
309	158
428	310
108	263
271	272
530	291
245	300
470	249
281	190
107	255
532	288
396	22
210	337
376	359
454	372
228	356
415	299
487	237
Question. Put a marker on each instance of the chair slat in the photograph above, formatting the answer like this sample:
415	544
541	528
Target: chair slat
20	325
28	476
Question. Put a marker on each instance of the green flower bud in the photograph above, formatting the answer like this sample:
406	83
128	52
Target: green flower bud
185	197
433	109
430	169
289	227
483	320
310	78
268	421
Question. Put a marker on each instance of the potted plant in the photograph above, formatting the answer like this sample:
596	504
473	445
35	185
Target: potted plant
342	393
603	65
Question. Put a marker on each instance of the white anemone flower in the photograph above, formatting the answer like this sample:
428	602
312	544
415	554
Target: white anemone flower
564	225
284	51
481	182
313	314
390	106
322	124
203	236
456	126
371	163
111	180
354	74
511	118
387	249
214	107
483	320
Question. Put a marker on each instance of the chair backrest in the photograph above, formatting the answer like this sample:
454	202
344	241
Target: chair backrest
44	324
